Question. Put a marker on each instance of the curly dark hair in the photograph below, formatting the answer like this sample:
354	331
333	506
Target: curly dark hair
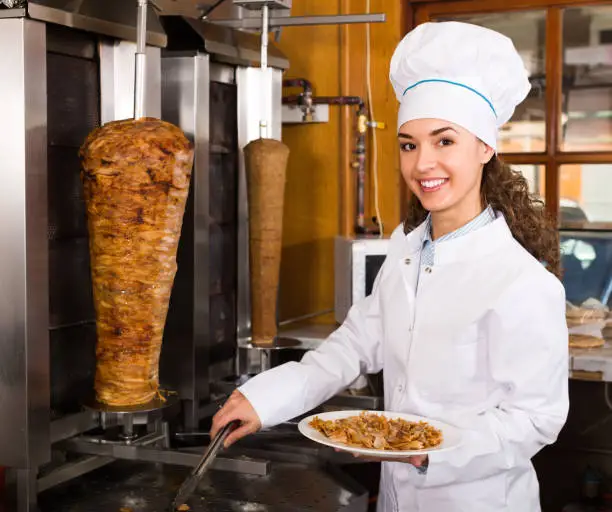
507	191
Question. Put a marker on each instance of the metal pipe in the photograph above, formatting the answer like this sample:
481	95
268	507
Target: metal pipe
267	89
298	82
264	36
305	317
71	470
139	84
359	162
303	21
210	9
156	455
325	100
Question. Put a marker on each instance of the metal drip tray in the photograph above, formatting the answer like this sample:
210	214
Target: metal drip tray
140	487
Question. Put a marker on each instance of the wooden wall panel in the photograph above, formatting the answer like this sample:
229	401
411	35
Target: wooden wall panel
310	219
320	187
383	40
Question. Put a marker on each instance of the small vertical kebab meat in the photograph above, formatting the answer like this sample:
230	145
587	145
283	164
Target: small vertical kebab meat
266	165
136	176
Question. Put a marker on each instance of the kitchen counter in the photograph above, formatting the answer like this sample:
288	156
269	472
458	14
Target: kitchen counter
584	364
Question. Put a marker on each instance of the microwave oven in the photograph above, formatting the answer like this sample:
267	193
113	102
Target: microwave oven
357	261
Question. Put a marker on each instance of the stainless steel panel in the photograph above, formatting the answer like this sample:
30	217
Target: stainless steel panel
21	490
15	12
24	295
117	69
114	18
234	47
186	103
222	73
71	42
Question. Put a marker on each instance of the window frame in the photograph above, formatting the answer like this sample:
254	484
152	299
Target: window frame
421	11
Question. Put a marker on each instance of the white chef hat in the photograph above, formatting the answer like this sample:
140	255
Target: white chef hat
462	73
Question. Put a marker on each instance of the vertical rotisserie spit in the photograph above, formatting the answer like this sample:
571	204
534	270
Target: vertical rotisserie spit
266	164
136	176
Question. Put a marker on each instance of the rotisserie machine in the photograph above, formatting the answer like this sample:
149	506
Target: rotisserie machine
67	67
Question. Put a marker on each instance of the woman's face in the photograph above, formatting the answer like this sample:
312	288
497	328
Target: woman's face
442	164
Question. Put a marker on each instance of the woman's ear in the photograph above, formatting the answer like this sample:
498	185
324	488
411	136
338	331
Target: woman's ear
487	153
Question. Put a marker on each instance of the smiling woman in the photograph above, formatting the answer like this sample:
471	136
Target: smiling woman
454	175
467	324
442	164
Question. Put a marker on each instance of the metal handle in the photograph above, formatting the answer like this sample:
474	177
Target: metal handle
141	38
215	446
191	483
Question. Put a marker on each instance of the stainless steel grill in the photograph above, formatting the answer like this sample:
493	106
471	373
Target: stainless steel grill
68	67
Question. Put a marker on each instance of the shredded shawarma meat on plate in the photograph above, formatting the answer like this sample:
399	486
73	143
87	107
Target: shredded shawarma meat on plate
369	430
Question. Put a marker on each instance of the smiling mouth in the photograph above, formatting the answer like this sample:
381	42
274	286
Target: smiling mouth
433	184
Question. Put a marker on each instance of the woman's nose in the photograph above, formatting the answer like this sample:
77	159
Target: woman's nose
425	160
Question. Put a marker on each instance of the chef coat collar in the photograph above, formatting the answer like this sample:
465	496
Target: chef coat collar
473	245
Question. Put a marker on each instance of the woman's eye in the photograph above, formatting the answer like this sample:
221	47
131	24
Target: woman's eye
446	142
409	146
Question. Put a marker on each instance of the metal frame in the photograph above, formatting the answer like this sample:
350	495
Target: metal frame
24	345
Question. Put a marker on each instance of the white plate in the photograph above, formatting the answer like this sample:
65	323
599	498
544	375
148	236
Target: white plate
452	435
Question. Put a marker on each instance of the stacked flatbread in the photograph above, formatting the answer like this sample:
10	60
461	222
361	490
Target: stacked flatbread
585	341
577	316
585	324
607	330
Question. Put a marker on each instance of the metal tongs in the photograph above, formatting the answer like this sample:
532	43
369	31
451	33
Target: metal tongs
190	484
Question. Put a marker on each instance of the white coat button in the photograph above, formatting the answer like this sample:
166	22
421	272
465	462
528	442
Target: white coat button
428	270
407	261
400	388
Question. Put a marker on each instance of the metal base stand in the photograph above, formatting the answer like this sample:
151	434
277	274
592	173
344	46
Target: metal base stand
21	495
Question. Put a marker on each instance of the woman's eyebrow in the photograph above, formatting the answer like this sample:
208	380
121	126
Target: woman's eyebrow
433	133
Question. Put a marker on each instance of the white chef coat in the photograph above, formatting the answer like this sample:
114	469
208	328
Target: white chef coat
482	344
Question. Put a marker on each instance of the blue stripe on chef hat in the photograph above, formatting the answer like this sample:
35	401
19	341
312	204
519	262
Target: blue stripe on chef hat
456	84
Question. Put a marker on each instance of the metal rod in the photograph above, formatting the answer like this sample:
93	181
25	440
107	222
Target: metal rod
73	425
243	465
72	470
302	21
265	12
141	37
210	9
267	89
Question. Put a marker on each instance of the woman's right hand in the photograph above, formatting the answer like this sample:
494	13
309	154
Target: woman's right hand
239	408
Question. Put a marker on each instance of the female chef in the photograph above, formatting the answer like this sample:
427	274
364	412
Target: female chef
466	317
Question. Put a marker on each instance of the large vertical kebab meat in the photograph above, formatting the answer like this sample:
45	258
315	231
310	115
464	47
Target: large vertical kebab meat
266	163
136	176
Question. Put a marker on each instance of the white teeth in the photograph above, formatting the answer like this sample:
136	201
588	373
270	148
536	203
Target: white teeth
432	183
